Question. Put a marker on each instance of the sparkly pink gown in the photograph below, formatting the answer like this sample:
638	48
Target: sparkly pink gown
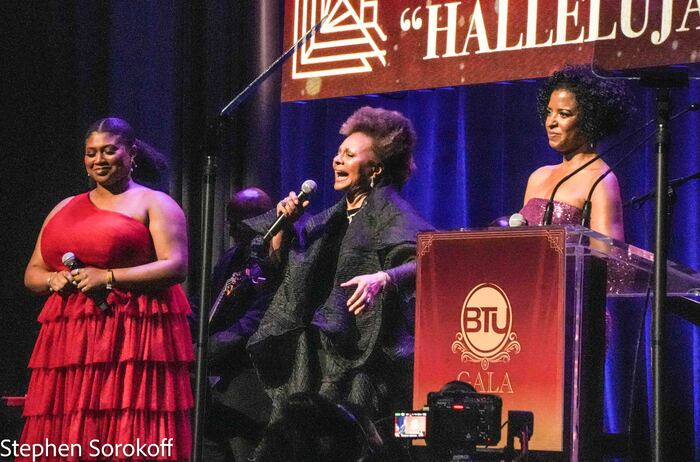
564	214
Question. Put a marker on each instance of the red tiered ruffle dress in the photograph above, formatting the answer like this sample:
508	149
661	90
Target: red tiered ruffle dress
117	377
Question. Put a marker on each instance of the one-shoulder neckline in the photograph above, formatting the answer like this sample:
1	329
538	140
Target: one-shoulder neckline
129	217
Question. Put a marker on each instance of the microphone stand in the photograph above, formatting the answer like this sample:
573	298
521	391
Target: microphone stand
549	209
662	82
586	210
209	181
587	204
672	185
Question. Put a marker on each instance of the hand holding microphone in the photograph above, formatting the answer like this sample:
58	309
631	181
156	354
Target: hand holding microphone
291	207
60	281
88	279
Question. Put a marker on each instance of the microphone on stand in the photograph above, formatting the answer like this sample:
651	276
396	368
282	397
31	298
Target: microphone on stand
516	220
587	204
586	210
99	297
308	188
671	185
549	209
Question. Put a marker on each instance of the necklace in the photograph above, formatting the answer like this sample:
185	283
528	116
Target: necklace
351	213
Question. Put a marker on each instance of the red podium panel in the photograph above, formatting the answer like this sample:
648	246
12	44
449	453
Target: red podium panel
491	312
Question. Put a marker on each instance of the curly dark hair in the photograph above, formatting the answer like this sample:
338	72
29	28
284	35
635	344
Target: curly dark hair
393	139
604	105
152	165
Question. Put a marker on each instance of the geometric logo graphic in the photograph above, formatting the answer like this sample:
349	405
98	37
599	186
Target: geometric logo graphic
487	327
348	42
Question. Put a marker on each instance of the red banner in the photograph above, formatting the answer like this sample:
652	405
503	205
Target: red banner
490	312
375	46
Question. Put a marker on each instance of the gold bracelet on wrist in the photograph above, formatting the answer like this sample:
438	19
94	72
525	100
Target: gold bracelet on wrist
48	280
110	279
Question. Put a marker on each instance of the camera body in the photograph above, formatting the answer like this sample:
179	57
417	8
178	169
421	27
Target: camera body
463	418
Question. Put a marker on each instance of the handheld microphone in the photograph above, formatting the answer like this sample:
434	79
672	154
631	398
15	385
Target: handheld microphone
99	297
516	220
308	187
586	210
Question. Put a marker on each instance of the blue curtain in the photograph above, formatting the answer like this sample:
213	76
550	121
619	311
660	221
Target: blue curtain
476	148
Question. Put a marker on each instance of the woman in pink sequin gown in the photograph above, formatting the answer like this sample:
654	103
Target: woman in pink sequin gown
103	378
578	109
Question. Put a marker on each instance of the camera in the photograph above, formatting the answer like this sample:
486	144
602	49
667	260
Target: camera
456	416
459	416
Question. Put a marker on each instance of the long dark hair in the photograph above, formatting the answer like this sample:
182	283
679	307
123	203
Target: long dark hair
152	166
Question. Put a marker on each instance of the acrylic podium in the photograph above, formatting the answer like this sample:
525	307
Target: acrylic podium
521	312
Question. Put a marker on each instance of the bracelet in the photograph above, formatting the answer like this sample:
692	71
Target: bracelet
48	281
110	279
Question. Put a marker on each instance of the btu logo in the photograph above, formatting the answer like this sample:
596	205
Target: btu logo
484	319
487	327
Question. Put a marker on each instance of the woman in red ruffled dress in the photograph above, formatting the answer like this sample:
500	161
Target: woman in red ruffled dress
111	382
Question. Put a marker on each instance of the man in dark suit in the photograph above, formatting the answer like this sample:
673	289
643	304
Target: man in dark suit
238	405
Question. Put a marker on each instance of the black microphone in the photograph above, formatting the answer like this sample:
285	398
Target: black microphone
671	188
586	210
99	297
549	209
587	204
307	190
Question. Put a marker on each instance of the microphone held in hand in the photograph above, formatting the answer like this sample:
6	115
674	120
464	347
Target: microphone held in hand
307	190
99	297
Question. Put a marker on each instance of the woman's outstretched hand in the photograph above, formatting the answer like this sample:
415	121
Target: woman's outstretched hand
368	288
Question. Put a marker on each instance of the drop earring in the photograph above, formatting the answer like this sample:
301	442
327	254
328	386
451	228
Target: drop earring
371	182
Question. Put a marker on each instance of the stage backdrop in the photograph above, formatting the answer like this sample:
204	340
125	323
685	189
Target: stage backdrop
372	46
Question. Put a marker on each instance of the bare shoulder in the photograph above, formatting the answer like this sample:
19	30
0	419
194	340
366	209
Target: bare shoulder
542	172
611	184
540	176
160	201
537	183
608	190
